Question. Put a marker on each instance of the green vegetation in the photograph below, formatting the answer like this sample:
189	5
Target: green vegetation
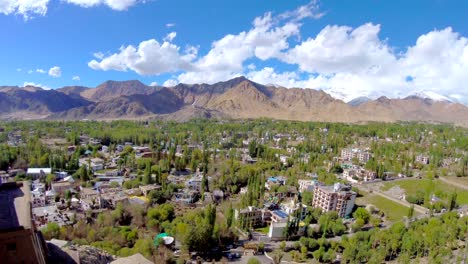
392	211
437	187
263	230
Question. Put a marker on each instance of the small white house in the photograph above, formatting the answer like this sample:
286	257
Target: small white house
38	172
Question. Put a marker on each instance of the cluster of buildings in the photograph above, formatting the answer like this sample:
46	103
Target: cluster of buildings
277	216
357	174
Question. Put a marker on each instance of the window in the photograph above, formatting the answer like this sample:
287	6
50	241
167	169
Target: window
11	246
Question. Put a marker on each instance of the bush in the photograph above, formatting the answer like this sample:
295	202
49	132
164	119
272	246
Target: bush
253	260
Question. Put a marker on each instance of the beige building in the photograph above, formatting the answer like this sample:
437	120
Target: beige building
250	216
334	198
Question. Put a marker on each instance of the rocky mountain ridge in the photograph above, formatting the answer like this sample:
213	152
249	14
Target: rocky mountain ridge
235	98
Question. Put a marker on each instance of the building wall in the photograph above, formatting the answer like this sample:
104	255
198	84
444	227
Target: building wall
341	202
21	246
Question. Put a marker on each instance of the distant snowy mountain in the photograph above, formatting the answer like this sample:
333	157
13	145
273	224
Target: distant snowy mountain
354	99
359	100
431	95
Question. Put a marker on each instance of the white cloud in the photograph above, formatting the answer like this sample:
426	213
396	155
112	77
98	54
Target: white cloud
149	58
55	72
76	78
118	5
170	36
349	63
268	75
30	71
342	49
36	85
25	8
267	39
19	69
31	8
40	71
98	55
170	83
154	84
311	10
169	25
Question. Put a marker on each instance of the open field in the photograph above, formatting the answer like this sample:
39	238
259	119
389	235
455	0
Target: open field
393	211
460	181
439	188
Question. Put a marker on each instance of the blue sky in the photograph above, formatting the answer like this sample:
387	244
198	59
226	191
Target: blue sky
347	48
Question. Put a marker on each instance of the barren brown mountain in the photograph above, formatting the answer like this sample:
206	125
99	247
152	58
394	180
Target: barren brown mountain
236	98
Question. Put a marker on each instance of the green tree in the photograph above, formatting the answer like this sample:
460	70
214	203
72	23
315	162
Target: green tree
453	201
361	213
253	260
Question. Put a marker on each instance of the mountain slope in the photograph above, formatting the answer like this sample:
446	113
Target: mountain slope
38	100
244	101
114	89
236	98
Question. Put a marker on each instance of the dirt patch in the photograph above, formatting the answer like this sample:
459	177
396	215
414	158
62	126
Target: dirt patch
396	192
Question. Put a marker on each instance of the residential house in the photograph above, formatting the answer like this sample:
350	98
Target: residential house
423	159
38	198
194	183
146	189
4	177
61	187
61	175
95	163
307	185
187	197
36	173
271	181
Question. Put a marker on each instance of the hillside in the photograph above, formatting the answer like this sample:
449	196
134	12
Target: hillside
236	98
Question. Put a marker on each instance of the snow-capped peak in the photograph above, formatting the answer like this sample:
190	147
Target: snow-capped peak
433	96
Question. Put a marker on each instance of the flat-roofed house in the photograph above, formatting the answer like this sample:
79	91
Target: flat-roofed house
38	172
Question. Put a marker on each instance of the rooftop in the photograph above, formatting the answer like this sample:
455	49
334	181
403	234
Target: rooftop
133	259
39	170
280	213
15	206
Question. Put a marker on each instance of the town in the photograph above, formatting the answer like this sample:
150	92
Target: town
239	191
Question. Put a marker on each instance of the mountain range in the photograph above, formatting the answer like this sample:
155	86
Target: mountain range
235	98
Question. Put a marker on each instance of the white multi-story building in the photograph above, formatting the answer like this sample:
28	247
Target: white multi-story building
348	154
334	198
